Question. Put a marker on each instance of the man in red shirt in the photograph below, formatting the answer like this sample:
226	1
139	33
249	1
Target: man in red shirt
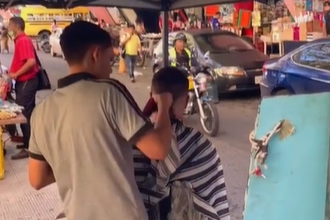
24	70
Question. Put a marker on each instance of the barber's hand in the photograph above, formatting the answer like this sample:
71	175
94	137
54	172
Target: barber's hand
163	100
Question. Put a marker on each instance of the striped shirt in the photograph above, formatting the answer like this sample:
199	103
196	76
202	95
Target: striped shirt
194	164
193	161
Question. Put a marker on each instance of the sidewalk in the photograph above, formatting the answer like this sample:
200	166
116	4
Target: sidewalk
18	201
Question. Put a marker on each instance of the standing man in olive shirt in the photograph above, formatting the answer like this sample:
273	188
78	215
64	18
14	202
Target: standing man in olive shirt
82	134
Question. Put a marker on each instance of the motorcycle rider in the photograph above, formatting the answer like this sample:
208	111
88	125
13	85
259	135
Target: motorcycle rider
179	53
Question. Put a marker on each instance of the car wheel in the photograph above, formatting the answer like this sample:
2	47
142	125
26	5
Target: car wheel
44	35
282	92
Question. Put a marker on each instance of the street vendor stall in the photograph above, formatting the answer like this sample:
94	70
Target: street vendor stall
157	5
149	42
10	114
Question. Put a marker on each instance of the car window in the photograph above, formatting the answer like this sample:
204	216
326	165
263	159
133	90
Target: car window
222	43
159	48
316	56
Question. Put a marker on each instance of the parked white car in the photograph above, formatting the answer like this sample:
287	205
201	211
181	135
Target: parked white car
54	41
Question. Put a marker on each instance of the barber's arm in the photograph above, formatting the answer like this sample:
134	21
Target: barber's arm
40	172
125	39
126	116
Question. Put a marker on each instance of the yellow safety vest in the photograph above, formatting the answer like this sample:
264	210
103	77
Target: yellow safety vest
172	54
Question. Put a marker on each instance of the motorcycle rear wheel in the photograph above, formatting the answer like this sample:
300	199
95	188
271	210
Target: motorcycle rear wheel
211	124
46	47
141	58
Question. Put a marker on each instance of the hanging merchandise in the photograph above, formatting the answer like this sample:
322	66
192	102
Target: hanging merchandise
211	10
317	5
296	32
309	5
244	19
235	17
275	31
300	5
256	19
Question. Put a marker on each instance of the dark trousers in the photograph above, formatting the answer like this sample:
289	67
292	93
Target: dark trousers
130	63
165	208
26	97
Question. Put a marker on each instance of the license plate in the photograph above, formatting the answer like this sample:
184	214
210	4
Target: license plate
257	79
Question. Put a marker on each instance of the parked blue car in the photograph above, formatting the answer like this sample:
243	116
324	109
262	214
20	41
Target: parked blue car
302	71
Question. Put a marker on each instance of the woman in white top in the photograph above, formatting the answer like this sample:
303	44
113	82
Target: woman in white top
54	25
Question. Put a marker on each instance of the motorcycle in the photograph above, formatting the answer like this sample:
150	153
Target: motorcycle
202	93
45	45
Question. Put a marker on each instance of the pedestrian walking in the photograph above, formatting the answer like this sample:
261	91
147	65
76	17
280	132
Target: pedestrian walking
82	134
132	45
215	22
24	70
54	26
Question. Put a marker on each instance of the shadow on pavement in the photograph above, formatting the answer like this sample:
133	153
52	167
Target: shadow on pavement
245	95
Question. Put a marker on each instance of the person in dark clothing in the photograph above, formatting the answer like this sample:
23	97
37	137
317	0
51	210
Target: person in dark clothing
24	70
326	18
215	21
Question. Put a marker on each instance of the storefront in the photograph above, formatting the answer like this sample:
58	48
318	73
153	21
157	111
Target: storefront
285	20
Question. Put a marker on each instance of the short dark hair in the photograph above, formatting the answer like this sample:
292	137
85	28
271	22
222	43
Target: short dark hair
170	79
326	3
19	22
131	26
79	36
218	13
139	20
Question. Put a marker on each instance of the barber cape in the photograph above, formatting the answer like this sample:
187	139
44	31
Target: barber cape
191	172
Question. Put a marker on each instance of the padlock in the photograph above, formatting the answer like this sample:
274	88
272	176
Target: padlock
257	171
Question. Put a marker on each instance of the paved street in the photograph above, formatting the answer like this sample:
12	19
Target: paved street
237	113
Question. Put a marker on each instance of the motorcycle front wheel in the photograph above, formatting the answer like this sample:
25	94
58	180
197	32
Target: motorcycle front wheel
211	123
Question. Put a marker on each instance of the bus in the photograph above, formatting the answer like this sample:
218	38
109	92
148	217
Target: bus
38	19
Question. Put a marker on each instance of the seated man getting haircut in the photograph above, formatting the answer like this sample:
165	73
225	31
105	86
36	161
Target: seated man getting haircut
191	174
